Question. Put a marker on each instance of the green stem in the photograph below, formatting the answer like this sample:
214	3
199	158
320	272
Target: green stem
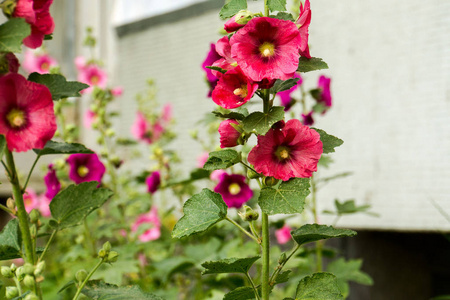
253	286
6	168
274	276
252	228
4	208
18	285
22	215
248	166
265	257
242	229
80	288
29	173
316	220
48	245
266	8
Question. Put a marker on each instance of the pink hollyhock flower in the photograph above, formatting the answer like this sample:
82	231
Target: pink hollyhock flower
85	167
216	175
26	109
150	219
167	113
117	91
144	131
325	92
303	21
40	63
285	96
52	183
226	61
8	63
228	134
37	14
233	89
89	118
30	199
238	21
308	119
267	48
234	190
201	159
44	206
283	234
80	62
153	182
292	151
94	76
211	57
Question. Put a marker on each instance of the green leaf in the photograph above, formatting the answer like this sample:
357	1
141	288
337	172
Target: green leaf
219	69
10	240
58	86
70	206
321	286
198	173
12	34
260	123
229	265
283	85
99	290
283	277
241	293
67	285
349	207
230	115
171	265
284	16
349	271
314	232
276	5
287	198
201	211
329	141
232	8
222	159
2	145
53	147
311	64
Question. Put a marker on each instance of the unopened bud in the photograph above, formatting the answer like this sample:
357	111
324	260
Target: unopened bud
107	246
11	292
13	267
252	174
270	181
113	256
28	269
20	273
70	128
33	230
102	253
193	134
34	216
104	153
158	151
248	214
110	132
6	272
100	140
31	297
11	204
282	258
40	267
81	275
28	281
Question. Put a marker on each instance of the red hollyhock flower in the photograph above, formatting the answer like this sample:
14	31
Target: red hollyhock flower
292	151
303	21
234	190
209	60
308	118
325	92
237	21
233	89
52	183
26	109
85	167
153	182
228	134
267	48
37	14
225	60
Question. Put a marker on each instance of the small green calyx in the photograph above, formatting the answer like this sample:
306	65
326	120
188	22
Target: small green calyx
243	16
8	7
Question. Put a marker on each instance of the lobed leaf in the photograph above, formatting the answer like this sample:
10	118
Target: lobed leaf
314	232
311	64
329	141
287	198
12	34
241	293
52	147
284	16
283	85
229	265
231	8
260	123
349	271
222	159
201	211
10	240
276	5
321	286
58	86
99	290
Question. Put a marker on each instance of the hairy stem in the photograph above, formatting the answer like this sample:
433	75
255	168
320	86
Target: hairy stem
242	229
265	256
29	173
80	288
47	245
253	286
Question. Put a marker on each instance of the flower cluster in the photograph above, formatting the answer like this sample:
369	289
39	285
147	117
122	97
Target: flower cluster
38	62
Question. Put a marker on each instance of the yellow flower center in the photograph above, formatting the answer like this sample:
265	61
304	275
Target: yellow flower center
241	92
45	66
234	189
267	49
282	153
95	79
16	118
82	171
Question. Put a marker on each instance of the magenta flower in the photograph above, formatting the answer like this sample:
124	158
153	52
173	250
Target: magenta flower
153	182
233	89
228	134
150	219
285	96
27	117
267	48
30	199
85	167
283	234
211	57
234	190
94	76
52	183
144	131
237	21
44	206
225	60
303	21
8	63
40	63
37	14
89	118
325	92
216	175
292	151
308	119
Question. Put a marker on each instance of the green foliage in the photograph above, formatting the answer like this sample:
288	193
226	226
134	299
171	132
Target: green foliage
58	85
12	33
276	5
52	147
314	232
230	115
346	271
321	286
99	290
311	64
201	211
284	16
283	277
232	8
259	122
2	145
287	198
72	205
229	265
348	207
283	85
329	141
10	241
219	69
240	293
222	159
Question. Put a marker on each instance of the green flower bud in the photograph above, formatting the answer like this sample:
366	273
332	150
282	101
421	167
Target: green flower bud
252	174
81	275
20	273
29	281
282	258
110	132
11	292
102	253
100	140
40	267
13	268
107	246
104	153
249	214
70	128
6	271
28	269
33	230
34	216
113	256
270	181
11	204
31	297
